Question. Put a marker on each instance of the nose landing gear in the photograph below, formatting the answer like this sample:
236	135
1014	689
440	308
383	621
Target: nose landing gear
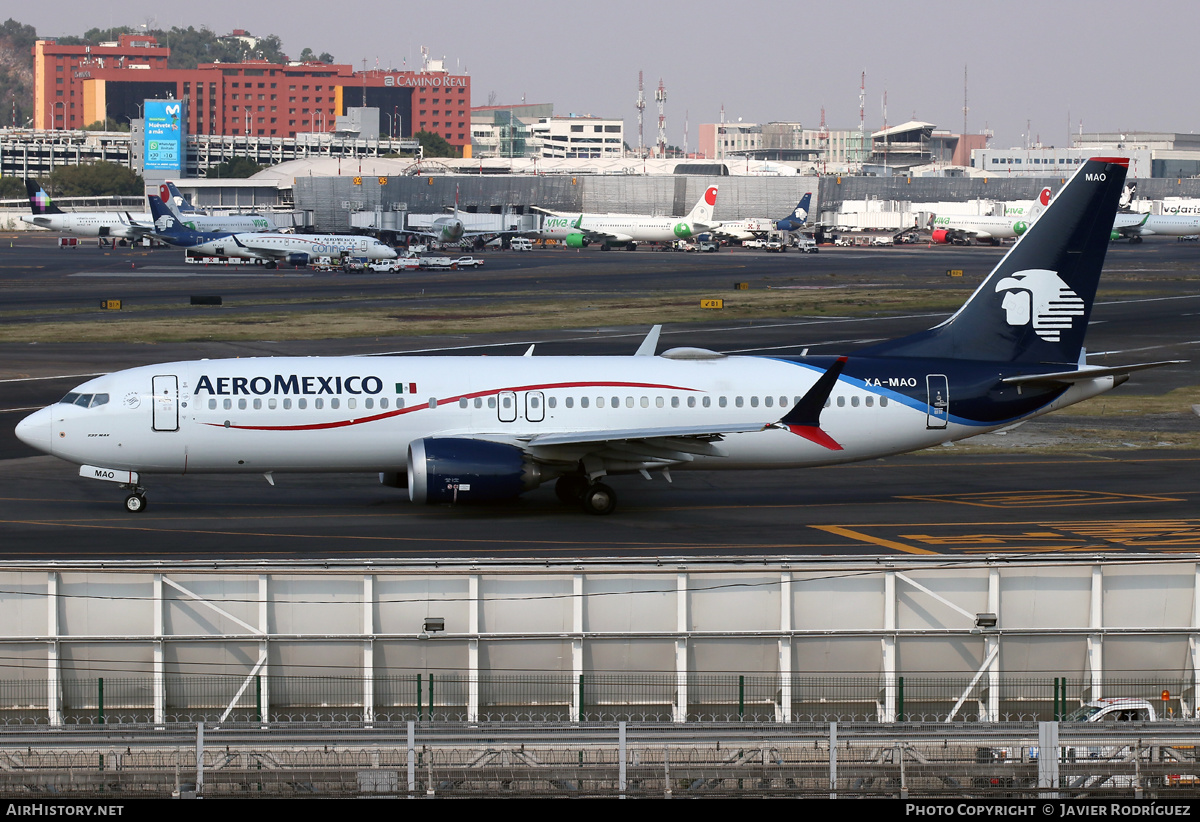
135	503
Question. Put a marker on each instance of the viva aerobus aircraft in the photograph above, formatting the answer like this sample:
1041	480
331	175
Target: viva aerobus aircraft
1013	223
628	229
197	220
119	225
490	428
274	248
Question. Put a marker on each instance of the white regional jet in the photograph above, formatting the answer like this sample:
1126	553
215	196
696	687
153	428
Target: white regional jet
120	225
199	221
629	229
294	249
490	428
1133	227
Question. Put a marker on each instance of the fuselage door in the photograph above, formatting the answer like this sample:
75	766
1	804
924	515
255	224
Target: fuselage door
535	406
166	402
507	406
938	388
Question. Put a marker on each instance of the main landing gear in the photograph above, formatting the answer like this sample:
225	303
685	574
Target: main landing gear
594	497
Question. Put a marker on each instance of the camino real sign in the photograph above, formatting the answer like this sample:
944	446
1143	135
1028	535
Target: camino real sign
166	123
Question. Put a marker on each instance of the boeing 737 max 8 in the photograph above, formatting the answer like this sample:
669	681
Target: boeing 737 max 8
490	428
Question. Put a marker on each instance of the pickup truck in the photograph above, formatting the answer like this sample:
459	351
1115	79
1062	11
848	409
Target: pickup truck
776	246
708	245
807	245
753	244
452	263
398	264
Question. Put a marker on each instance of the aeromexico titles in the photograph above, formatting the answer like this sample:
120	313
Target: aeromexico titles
274	248
491	428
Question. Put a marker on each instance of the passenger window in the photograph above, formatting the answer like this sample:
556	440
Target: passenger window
658	402
383	402
432	402
783	402
707	402
242	404
769	402
599	402
271	403
570	401
318	403
552	402
722	402
870	401
629	401
841	402
828	402
854	401
287	403
506	402
302	403
257	404
616	402
491	402
738	402
479	402
368	403
883	401
583	402
754	402
691	402
533	402
334	403
212	405
462	403
227	404
351	403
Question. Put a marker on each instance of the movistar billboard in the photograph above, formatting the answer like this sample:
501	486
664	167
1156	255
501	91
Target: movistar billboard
165	126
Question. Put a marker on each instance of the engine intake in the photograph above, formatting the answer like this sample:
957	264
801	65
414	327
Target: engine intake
457	470
297	258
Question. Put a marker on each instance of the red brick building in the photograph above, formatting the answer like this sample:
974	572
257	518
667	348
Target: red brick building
75	86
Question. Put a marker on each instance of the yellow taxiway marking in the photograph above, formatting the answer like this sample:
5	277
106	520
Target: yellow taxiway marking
1028	537
1039	499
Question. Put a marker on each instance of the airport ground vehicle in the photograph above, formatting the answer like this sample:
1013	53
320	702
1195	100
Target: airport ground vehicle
709	245
776	246
521	244
754	244
398	264
467	262
806	245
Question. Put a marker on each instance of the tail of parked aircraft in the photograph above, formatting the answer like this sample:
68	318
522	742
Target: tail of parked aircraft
1035	305
703	210
39	200
799	216
173	199
168	227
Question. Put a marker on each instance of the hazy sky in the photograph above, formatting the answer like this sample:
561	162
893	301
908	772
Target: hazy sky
1054	63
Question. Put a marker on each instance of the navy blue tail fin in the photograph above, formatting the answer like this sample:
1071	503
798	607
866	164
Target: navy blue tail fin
799	216
1035	305
39	200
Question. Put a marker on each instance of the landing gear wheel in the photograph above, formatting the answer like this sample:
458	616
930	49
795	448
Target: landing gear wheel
599	499
135	503
271	264
569	488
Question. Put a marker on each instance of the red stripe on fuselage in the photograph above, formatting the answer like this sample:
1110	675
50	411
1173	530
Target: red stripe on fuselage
491	392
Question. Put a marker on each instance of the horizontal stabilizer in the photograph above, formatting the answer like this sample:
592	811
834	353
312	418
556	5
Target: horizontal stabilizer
1086	373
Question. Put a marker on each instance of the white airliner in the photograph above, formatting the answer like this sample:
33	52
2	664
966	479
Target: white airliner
121	225
1133	227
199	221
1013	223
752	227
628	229
294	249
490	428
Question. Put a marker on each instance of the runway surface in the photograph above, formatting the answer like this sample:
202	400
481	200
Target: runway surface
1038	489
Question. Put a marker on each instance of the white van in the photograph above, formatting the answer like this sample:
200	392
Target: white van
521	244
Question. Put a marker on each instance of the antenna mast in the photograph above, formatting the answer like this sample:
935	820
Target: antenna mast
640	105
862	121
661	96
823	141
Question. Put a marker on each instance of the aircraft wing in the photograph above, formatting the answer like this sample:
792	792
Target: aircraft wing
605	236
648	447
266	252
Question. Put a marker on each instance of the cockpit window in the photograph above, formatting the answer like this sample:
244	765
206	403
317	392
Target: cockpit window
98	399
69	399
84	400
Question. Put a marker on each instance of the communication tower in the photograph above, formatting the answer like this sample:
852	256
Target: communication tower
660	95
640	105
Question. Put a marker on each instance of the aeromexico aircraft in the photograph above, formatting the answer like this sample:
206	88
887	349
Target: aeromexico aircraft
196	220
120	225
1013	223
628	229
274	248
489	428
753	227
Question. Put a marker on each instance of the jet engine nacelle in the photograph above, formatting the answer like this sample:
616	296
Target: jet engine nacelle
296	258
455	470
576	241
941	235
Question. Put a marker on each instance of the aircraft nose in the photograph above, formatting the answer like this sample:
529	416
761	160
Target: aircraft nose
36	430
